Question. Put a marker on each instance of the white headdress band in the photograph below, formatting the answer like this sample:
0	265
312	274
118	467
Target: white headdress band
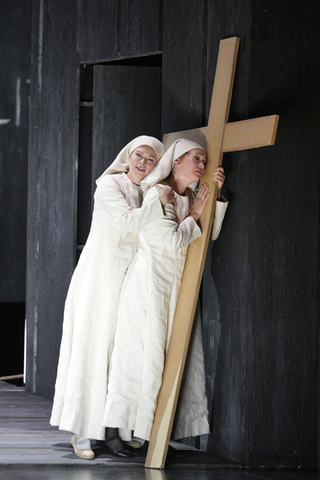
121	162
164	168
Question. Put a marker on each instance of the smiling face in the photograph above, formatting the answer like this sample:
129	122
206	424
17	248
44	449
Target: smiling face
191	166
141	161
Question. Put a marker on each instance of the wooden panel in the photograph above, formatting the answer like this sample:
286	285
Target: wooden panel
282	233
139	27
265	263
183	63
32	238
15	89
118	28
52	184
98	30
127	103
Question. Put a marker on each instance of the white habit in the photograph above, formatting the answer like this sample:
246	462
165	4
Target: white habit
146	311
91	307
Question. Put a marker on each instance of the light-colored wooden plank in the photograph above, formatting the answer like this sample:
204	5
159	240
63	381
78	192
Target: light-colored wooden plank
243	135
178	347
253	133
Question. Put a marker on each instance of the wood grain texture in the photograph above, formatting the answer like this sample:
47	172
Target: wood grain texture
126	103
265	401
284	306
265	263
32	285
182	66
52	184
119	28
14	113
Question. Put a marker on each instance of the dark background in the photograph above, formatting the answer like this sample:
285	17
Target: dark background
15	74
260	295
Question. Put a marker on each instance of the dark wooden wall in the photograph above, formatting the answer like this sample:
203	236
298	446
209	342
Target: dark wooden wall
266	261
261	330
14	87
52	178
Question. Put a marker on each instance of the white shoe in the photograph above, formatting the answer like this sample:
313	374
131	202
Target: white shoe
134	444
85	453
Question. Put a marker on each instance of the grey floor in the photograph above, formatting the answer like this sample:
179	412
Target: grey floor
31	449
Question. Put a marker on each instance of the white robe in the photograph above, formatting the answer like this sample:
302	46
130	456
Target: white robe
146	311
91	307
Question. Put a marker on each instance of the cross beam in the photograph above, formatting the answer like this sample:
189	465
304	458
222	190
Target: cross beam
219	137
253	133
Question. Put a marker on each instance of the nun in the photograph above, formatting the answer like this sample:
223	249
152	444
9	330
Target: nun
91	307
149	297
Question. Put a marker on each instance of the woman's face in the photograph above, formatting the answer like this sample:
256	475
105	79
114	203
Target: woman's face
141	161
191	165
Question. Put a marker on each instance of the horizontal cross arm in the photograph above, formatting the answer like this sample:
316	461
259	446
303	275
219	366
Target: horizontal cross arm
243	135
253	133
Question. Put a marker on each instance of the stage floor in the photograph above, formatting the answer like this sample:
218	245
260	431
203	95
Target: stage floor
31	449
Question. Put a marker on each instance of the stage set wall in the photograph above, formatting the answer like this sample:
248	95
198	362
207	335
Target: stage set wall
260	297
15	72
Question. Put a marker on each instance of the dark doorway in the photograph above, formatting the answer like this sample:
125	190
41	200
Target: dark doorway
11	356
119	100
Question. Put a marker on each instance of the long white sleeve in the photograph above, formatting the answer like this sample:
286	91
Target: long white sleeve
175	234
110	196
221	208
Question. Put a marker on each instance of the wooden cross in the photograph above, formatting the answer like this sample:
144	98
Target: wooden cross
220	137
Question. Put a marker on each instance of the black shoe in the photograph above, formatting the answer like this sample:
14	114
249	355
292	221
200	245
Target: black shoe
117	447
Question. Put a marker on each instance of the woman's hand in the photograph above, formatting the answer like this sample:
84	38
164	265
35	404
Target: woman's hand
200	202
166	194
219	177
